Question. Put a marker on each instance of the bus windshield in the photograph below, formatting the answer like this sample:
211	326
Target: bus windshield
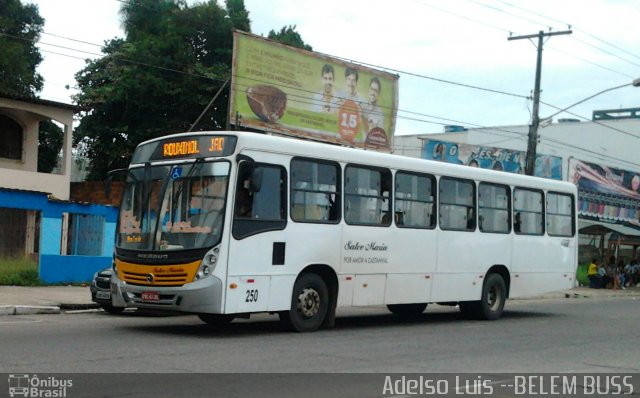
173	207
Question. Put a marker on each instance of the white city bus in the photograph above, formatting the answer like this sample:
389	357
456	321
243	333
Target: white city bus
228	224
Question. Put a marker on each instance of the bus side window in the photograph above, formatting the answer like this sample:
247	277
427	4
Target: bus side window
260	210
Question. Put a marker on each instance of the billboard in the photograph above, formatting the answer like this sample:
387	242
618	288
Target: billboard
605	192
491	158
291	91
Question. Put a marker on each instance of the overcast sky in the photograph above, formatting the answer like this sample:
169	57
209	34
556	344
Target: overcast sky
460	41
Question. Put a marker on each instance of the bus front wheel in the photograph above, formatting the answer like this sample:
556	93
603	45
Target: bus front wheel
407	309
491	304
309	304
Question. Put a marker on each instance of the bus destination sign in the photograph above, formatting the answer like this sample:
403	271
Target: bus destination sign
185	148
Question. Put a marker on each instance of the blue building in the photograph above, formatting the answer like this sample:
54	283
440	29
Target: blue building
69	241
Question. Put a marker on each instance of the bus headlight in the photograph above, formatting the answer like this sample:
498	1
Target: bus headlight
208	264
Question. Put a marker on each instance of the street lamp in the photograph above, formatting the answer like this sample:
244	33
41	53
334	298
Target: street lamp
635	83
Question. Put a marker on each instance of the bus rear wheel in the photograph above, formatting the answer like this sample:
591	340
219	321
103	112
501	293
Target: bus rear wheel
491	304
309	304
407	309
216	319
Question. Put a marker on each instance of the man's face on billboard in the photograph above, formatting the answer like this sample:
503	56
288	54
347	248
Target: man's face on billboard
327	82
374	92
352	82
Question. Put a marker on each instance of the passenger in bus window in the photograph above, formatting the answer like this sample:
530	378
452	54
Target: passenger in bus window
517	223
471	221
243	203
399	218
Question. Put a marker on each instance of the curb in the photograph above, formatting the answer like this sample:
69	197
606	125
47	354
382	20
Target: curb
28	309
45	309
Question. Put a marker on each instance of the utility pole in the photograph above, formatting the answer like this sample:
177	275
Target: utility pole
535	118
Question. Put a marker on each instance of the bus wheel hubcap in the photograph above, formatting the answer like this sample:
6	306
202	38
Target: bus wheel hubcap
309	302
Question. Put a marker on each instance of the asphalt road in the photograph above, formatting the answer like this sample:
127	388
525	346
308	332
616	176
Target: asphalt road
560	335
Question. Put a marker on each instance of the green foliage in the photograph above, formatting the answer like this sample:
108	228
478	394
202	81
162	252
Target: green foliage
19	272
156	80
20	28
238	15
288	35
50	140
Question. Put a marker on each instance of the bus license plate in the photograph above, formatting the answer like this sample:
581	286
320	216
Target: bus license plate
150	296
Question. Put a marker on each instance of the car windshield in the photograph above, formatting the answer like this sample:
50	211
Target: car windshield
173	207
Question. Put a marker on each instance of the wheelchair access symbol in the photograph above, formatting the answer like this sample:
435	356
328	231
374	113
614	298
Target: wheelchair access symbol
176	173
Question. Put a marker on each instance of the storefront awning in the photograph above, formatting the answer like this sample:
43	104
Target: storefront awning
600	228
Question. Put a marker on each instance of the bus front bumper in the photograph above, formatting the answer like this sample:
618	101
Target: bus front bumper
203	296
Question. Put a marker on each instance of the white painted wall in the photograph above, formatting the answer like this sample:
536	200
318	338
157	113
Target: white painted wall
614	143
23	174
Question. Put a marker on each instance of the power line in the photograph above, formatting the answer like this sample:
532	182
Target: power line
362	63
576	28
508	13
398	109
528	20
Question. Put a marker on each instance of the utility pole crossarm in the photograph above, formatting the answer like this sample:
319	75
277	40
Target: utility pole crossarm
532	141
544	34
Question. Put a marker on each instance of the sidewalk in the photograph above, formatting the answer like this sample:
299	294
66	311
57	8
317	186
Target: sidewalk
17	300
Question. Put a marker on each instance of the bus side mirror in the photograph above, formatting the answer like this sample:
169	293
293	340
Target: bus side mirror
255	182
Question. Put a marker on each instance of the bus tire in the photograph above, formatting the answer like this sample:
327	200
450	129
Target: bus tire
491	304
309	304
407	309
216	319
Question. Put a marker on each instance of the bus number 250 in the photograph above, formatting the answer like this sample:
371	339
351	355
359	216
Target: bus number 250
252	296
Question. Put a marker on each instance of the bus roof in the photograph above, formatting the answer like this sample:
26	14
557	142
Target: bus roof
249	141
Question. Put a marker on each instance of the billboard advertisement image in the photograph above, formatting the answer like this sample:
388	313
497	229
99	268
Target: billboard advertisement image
291	91
486	157
605	192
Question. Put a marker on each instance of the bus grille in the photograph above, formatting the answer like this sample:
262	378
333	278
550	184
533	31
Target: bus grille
157	275
165	279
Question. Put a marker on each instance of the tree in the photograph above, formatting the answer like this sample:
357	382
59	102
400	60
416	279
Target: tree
238	15
157	79
50	140
20	28
288	35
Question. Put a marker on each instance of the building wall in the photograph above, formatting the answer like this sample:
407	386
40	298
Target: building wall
612	143
54	265
23	174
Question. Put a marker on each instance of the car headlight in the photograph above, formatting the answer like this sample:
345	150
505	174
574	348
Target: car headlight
208	264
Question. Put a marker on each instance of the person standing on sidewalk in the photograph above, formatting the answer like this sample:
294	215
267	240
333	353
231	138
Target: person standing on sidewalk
592	274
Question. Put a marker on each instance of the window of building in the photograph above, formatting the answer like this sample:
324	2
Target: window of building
315	195
528	218
414	205
457	204
367	196
494	208
560	214
11	138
